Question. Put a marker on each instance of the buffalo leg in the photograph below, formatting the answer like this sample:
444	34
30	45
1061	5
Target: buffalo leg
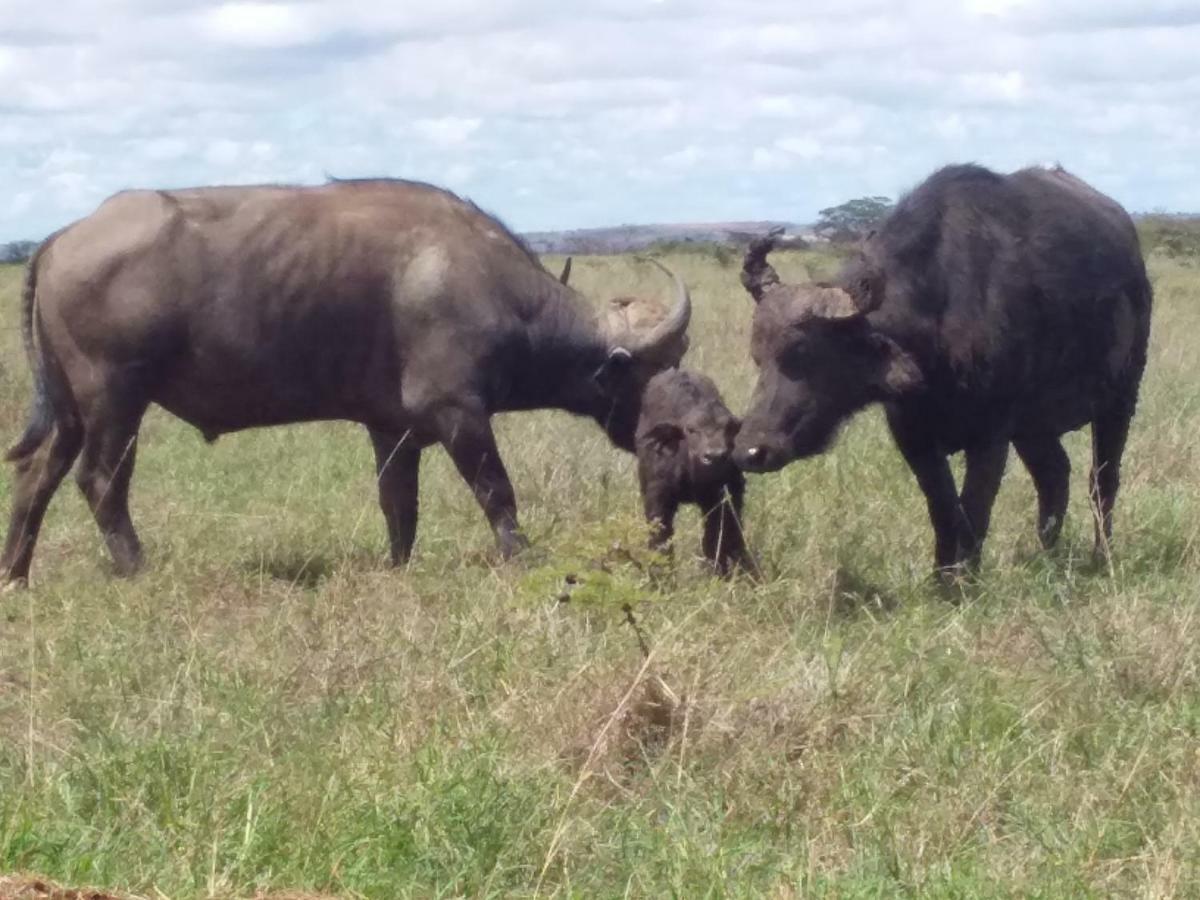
1050	469
722	543
660	507
109	450
37	478
985	469
936	481
397	466
1109	432
471	443
739	552
941	498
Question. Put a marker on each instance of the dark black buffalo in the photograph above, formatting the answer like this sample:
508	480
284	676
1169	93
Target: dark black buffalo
685	437
389	303
986	310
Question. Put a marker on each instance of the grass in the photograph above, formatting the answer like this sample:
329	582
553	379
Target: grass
270	708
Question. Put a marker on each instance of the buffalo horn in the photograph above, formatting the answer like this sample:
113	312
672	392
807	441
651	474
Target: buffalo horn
671	328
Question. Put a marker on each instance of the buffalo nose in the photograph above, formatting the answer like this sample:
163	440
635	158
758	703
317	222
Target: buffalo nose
712	457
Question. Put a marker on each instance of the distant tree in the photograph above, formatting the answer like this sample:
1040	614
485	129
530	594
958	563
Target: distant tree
852	220
17	251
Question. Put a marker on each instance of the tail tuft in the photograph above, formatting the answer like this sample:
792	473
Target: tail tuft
37	429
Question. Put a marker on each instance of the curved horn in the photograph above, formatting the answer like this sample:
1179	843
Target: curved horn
757	273
674	326
566	272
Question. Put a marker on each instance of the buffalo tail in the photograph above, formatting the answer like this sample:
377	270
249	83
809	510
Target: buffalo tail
41	414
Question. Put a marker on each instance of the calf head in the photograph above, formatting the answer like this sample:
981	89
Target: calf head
683	416
819	361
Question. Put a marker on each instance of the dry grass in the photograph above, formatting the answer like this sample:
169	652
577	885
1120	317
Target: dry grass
270	708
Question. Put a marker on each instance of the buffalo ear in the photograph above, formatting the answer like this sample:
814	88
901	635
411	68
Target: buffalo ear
613	371
665	438
566	272
897	373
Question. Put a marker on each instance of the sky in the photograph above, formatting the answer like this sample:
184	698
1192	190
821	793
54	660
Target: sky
558	114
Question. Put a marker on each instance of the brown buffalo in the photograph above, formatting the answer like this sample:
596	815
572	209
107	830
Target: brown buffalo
390	303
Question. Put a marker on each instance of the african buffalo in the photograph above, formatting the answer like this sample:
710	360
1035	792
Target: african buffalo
684	444
390	303
986	310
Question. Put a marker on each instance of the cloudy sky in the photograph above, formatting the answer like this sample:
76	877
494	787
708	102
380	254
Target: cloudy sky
593	112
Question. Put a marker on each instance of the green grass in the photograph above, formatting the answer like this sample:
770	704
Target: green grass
269	707
1174	237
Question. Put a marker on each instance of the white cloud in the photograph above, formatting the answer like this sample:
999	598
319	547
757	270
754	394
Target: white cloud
767	159
1008	87
688	156
447	131
604	111
994	7
223	152
262	151
458	175
951	127
260	25
19	204
165	149
803	147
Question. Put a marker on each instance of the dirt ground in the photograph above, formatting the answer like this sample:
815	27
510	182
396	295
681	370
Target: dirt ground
30	888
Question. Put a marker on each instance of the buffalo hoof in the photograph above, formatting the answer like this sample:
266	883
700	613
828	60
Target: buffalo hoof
1049	531
952	581
511	544
1102	556
12	585
127	568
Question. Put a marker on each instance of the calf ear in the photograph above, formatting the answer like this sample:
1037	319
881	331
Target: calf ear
897	373
664	438
614	370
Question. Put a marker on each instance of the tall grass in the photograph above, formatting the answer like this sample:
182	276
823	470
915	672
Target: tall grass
269	707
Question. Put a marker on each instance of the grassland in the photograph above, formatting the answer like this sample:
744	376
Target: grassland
269	707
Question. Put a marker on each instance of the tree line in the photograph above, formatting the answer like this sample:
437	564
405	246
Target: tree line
17	251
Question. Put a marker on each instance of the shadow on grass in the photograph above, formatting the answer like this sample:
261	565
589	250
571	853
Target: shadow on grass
304	570
853	593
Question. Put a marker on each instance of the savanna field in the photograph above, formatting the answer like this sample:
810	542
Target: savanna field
269	708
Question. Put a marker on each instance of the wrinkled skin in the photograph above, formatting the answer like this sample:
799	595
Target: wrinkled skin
393	304
987	310
685	440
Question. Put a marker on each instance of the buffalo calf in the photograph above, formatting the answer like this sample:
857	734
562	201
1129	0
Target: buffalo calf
684	445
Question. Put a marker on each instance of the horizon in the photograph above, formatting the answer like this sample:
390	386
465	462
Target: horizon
539	232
